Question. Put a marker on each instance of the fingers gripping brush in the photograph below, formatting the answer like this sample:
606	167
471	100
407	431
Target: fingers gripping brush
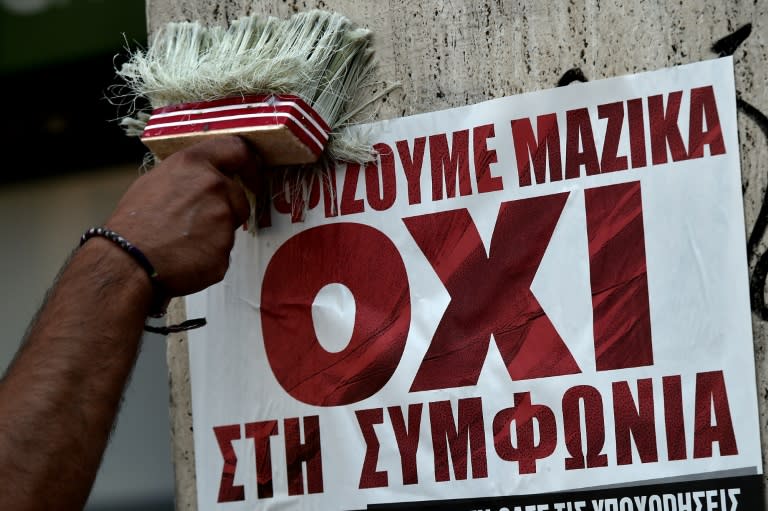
290	86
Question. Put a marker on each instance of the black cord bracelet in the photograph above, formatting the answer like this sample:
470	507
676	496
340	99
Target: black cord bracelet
160	299
189	324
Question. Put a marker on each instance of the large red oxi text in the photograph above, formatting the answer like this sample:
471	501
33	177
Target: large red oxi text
490	299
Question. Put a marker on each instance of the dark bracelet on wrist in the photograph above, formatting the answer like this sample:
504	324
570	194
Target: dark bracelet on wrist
160	299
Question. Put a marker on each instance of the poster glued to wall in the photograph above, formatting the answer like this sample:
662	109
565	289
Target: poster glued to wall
535	303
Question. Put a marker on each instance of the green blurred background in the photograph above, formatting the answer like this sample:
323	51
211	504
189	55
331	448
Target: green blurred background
39	33
65	164
57	64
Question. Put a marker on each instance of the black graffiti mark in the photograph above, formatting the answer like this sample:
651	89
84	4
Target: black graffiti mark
730	43
724	47
762	218
759	275
572	75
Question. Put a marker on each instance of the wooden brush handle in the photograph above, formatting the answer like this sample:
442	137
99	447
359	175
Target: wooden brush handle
284	129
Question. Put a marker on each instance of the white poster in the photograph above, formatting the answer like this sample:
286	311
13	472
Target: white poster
539	302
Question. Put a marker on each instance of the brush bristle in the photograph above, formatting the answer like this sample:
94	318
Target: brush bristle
316	55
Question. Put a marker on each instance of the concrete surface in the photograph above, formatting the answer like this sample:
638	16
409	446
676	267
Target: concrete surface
451	53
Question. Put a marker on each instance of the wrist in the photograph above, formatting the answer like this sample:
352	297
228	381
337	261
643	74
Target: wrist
113	264
140	263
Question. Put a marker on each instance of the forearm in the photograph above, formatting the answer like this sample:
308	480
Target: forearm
59	399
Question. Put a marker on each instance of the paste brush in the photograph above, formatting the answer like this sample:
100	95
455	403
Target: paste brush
290	86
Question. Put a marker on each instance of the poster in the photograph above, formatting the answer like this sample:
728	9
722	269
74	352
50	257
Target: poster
538	302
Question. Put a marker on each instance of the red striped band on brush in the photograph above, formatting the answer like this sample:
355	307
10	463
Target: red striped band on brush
241	112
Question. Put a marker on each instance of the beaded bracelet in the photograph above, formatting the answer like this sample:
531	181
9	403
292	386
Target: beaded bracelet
126	245
160	300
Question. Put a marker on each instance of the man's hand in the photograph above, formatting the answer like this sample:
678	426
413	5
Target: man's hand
59	398
183	214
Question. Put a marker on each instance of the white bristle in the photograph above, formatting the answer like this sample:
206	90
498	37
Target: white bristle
316	55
